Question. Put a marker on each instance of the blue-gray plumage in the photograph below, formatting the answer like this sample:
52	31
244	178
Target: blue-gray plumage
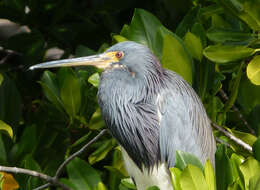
151	111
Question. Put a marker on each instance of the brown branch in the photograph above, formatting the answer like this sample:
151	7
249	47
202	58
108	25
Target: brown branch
51	180
232	137
241	117
62	166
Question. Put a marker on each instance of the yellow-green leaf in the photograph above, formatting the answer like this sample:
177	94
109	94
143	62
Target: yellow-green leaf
254	182
249	169
246	137
8	182
102	151
176	58
210	176
96	121
194	45
6	128
1	79
175	175
227	53
119	38
192	178
128	183
101	186
253	70
94	79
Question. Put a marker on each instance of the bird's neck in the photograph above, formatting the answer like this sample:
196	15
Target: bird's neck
132	120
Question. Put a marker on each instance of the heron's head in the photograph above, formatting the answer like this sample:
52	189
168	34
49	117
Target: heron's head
128	62
135	58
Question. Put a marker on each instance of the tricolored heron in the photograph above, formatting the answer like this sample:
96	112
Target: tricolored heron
152	112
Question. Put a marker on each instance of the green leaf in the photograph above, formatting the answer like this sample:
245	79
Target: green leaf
217	21
184	158
175	176
247	88
119	38
233	186
153	188
256	149
68	183
223	35
102	151
82	139
30	163
246	137
192	179
101	186
227	53
236	161
1	79
253	70
234	90
194	45
28	142
143	29
127	182
210	176
82	175
96	121
248	11
10	102
224	175
176	58
211	10
249	169
94	79
199	31
6	129
50	88
70	94
214	107
187	22
252	9
82	51
254	182
3	155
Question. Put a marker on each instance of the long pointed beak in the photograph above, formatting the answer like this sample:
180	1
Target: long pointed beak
100	61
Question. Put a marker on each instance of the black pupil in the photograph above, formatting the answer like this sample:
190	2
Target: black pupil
118	54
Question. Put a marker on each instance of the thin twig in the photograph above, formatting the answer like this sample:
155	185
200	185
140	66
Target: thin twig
232	137
241	117
4	59
62	166
10	51
51	180
222	142
9	54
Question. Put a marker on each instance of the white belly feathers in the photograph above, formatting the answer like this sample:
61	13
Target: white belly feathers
158	176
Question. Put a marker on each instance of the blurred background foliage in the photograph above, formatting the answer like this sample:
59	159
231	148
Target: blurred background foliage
45	116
